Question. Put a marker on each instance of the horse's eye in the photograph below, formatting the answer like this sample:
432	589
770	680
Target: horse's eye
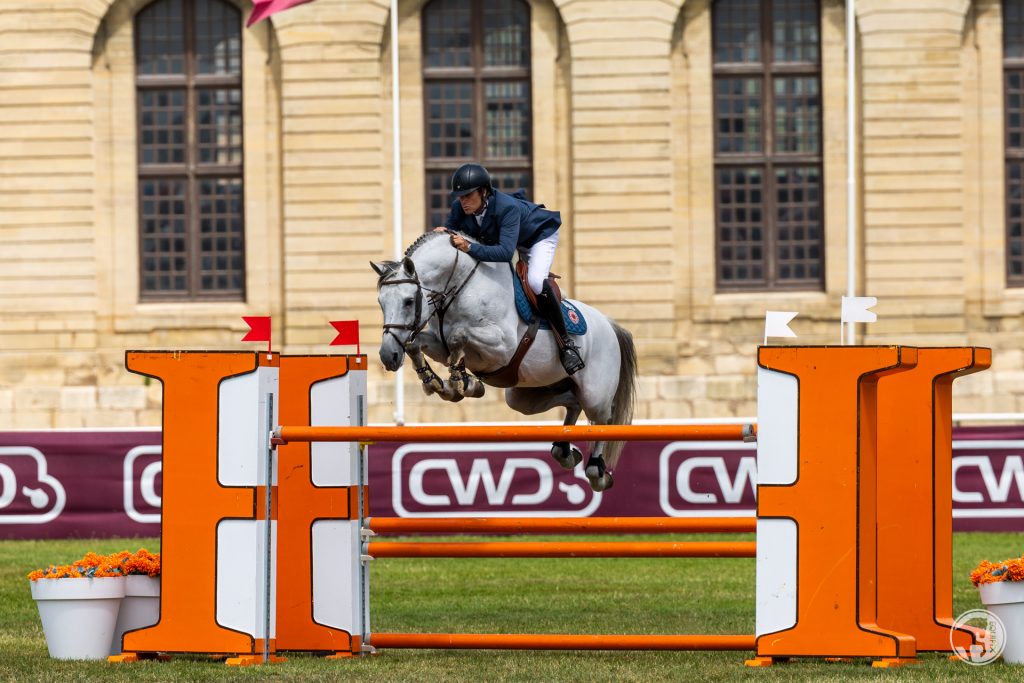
408	301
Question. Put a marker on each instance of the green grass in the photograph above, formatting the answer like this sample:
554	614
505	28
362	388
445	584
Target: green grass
515	595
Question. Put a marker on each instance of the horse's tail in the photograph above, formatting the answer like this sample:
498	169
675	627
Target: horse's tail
625	393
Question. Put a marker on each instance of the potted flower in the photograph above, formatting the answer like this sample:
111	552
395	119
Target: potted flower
141	604
1001	586
79	602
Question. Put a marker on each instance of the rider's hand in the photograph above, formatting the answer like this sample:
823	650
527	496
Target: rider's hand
460	243
440	228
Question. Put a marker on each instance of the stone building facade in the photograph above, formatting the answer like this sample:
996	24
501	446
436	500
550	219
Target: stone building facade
624	102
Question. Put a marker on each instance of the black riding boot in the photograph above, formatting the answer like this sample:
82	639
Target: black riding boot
551	309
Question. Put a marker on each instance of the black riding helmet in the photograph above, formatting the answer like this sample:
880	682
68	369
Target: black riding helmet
469	177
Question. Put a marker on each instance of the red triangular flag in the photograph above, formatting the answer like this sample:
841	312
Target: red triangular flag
264	8
259	328
348	333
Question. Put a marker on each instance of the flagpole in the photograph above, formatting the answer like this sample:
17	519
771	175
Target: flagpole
851	159
396	189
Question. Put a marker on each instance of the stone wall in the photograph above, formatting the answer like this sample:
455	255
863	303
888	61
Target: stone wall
622	146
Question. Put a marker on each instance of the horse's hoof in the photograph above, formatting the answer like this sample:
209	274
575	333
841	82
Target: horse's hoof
602	483
567	455
477	390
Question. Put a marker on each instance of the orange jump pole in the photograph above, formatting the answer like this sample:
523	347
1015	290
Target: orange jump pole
580	525
469	433
563	549
531	641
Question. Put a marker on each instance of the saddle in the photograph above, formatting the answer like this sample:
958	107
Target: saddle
521	270
508	376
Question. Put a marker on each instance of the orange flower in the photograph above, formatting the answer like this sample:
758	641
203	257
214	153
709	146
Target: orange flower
992	572
92	565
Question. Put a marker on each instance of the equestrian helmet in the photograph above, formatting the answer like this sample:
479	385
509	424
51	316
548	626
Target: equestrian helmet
469	177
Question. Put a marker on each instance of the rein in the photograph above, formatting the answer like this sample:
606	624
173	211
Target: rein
440	301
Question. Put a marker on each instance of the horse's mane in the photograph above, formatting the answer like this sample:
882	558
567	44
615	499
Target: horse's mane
393	266
428	236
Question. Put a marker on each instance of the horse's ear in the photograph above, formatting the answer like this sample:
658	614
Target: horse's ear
379	268
409	266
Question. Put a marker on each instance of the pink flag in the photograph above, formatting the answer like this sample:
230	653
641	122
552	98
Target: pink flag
264	8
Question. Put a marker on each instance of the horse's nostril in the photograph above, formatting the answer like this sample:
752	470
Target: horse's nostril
394	358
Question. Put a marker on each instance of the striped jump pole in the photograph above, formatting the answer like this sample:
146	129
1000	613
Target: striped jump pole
560	525
563	549
488	434
539	641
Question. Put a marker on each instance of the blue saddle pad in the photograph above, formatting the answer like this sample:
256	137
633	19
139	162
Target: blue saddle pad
575	323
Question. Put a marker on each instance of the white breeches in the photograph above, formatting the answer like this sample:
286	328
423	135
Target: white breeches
539	258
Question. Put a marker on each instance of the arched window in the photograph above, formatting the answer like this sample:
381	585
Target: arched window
768	161
1013	105
476	91
188	79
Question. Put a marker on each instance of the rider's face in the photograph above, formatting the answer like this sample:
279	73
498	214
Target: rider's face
472	202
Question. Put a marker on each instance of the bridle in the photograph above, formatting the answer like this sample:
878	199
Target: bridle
440	301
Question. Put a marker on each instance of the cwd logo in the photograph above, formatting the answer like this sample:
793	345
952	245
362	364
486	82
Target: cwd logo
28	495
142	483
707	479
989	474
499	480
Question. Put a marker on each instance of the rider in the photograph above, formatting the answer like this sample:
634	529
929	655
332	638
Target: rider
503	223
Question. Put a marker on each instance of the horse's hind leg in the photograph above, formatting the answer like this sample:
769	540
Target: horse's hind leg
531	401
567	455
599	469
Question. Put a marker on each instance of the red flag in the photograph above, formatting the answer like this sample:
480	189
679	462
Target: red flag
264	8
348	333
259	328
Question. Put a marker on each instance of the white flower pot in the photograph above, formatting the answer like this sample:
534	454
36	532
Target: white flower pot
1005	599
78	615
139	609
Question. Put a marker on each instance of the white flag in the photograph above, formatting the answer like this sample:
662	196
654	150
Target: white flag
855	309
776	324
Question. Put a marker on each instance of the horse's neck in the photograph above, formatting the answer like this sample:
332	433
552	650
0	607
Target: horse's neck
483	283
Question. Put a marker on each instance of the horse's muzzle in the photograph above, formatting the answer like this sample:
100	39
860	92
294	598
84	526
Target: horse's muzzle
392	360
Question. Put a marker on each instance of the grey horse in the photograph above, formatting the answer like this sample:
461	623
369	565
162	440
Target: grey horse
444	304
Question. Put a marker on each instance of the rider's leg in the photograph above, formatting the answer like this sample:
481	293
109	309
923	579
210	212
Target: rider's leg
540	257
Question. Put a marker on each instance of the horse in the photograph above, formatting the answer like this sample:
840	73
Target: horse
440	302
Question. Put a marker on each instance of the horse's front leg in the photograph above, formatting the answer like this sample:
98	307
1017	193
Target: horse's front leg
430	381
461	381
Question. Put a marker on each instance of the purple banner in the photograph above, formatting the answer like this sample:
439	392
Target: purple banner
61	484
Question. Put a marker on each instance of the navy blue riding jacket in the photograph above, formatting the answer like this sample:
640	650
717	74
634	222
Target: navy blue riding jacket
509	222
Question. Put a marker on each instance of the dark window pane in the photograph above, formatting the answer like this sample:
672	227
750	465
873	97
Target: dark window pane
737	31
797	207
447	38
218	30
449	117
160	32
219	125
508	119
1013	29
221	231
739	247
795	31
507	33
162	226
162	126
738	103
797	114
